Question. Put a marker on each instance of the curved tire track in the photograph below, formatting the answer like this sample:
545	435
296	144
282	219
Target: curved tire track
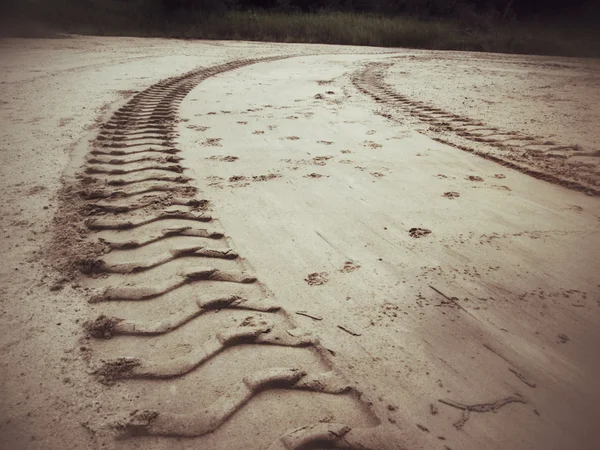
532	155
123	193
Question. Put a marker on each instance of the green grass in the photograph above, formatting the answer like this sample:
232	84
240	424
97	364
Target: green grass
117	18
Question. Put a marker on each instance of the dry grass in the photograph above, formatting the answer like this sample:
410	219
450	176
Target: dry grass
143	18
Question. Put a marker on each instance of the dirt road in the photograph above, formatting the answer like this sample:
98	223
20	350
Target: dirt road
230	245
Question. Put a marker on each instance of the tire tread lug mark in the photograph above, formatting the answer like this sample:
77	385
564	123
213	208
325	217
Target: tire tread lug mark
516	155
102	170
336	435
114	224
163	234
209	419
130	191
134	267
150	149
124	182
124	368
146	202
185	277
106	327
134	160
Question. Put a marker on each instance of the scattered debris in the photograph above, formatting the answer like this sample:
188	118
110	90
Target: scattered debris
321	160
563	338
266	177
451	300
371	144
212	142
451	195
227	158
500	176
474	178
433	409
317	278
314	175
418	232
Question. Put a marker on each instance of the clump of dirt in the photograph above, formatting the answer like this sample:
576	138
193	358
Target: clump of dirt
89	266
113	370
198	203
258	132
345	151
349	266
325	142
267	177
137	423
59	284
451	195
314	175
377	174
317	278
319	97
292	138
330	93
418	232
102	327
236	178
474	178
500	176
563	338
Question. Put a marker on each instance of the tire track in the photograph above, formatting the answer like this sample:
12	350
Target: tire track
135	215
566	165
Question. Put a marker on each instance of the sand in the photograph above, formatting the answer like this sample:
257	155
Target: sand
340	267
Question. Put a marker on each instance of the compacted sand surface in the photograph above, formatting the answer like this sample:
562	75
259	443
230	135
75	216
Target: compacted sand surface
230	245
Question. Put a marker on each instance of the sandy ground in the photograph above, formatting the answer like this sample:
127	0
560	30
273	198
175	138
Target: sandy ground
431	295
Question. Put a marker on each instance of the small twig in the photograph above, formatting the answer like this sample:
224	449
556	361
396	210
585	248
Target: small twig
450	299
521	377
304	313
348	331
481	407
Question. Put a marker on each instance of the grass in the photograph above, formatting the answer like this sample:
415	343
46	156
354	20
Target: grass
139	18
